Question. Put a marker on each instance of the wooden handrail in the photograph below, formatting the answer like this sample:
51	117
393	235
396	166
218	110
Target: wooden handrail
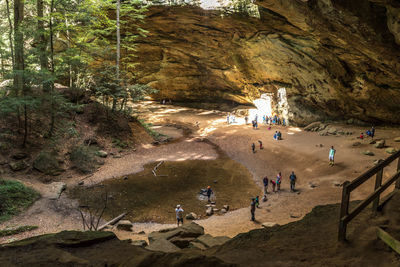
348	187
366	175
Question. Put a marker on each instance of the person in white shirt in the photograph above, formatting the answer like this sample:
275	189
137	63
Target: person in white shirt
179	214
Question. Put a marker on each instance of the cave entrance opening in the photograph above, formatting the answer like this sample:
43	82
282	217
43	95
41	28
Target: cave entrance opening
283	106
263	107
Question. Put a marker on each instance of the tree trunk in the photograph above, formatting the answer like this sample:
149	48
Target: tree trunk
42	44
51	69
19	60
10	33
118	52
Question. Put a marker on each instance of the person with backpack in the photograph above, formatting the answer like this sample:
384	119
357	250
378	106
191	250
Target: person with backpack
292	178
253	209
179	214
265	182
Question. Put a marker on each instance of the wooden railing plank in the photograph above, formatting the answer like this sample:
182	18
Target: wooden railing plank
365	176
370	198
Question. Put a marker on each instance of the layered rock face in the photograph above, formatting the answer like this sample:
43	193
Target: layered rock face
337	59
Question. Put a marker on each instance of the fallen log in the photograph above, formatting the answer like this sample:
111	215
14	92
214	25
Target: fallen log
113	221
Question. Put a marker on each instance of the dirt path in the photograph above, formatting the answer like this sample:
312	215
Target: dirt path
306	153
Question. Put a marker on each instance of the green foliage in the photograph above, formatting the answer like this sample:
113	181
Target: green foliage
147	126
18	230
119	143
14	197
84	158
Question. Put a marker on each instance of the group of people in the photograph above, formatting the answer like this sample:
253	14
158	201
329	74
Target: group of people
179	211
276	187
253	146
274	120
369	132
277	135
230	118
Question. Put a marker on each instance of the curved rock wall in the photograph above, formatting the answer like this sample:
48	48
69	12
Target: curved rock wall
337	59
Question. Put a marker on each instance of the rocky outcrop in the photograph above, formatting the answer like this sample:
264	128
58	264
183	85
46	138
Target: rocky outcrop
336	58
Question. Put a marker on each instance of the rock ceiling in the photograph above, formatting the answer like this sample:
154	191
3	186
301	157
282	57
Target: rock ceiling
337	59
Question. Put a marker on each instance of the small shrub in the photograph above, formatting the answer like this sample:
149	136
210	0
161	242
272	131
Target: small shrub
47	163
14	197
119	143
147	127
84	158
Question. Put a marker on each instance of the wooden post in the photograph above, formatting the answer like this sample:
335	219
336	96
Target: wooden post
397	186
378	183
344	210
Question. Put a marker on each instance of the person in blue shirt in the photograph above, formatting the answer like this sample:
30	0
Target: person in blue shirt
292	178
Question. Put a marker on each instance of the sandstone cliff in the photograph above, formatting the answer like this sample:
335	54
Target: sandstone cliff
336	58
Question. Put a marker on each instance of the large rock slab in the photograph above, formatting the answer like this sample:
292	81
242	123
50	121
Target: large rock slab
54	190
162	245
211	241
192	230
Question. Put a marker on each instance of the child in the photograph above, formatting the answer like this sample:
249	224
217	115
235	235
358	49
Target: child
273	185
278	181
361	136
257	202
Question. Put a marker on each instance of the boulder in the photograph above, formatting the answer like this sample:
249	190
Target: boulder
226	207
397	139
223	210
187	230
313	126
102	154
19	156
181	242
211	241
47	163
197	245
380	144
18	165
191	216
331	130
162	245
269	224
356	144
139	243
54	190
124	225
368	153
376	162
390	150
209	211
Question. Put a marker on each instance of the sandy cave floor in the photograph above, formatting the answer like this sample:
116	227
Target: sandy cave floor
306	153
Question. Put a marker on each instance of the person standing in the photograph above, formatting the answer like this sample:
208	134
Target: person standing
372	132
179	214
278	181
246	119
265	182
332	153
261	145
292	178
209	192
253	209
253	147
228	117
